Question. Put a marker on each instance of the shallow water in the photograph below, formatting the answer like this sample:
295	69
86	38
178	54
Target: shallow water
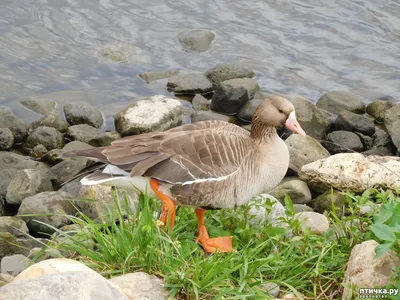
49	49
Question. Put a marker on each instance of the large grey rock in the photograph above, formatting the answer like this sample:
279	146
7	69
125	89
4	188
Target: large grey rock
9	160
378	108
349	121
15	226
104	139
315	222
42	107
189	83
49	208
295	188
246	112
311	118
49	137
82	132
337	101
365	271
392	123
141	286
382	144
353	171
343	141
51	120
27	182
303	150
201	103
6	139
203	115
18	126
83	113
157	75
5	178
231	95
14	264
66	169
141	116
196	40
228	70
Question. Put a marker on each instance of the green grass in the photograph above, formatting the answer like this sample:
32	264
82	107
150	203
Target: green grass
308	265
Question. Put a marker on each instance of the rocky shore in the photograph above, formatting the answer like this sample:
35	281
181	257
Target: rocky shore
350	146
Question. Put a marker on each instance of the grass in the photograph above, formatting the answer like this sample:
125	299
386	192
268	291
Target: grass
307	265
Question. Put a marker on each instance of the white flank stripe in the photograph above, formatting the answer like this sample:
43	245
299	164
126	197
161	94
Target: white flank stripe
114	170
210	179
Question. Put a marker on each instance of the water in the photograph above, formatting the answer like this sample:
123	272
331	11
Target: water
49	49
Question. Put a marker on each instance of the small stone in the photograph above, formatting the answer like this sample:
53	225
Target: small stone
18	127
301	207
337	101
343	141
196	40
153	76
46	253
77	113
42	107
246	112
349	121
104	139
271	288
83	133
201	103
259	213
51	120
315	222
228	70
13	225
189	83
293	187
392	123
38	151
378	108
203	115
49	137
324	201
14	264
6	139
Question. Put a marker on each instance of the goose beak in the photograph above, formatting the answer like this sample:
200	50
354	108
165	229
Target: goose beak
293	124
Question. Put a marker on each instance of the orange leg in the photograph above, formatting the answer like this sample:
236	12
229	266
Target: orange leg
168	210
223	244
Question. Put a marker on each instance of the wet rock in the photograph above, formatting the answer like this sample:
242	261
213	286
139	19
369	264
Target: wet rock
77	113
295	188
27	182
66	169
201	103
140	116
353	171
324	202
189	83
232	94
13	225
104	139
349	121
377	109
311	118
196	40
203	115
38	151
392	123
343	141
50	208
51	120
42	107
6	139
5	178
14	264
141	286
337	101
315	222
83	133
304	150
9	160
18	127
153	76
301	207
49	137
246	112
228	70
366	271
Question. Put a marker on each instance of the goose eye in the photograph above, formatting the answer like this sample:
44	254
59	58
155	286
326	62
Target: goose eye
281	111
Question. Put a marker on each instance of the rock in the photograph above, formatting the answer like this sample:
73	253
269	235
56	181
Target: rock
83	133
8	245
27	182
54	206
324	202
42	107
18	127
38	151
153	76
45	253
343	141
66	169
140	116
72	187
104	139
295	188
246	112
6	139
311	118
9	160
315	222
196	40
271	288
5	279
56	156
115	53
365	271
201	103
141	286
337	101
203	115
189	83
382	144
226	71
49	137
392	123
378	108
77	113
366	140
353	171
52	120
349	121
5	178
304	150
13	225
301	207
14	264
231	95
104	202
259	213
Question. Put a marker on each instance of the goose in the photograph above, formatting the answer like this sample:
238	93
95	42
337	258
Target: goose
206	165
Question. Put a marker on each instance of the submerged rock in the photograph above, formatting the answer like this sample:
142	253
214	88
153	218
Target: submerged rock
6	139
197	40
157	75
228	70
343	141
337	101
83	113
18	127
189	83
42	107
